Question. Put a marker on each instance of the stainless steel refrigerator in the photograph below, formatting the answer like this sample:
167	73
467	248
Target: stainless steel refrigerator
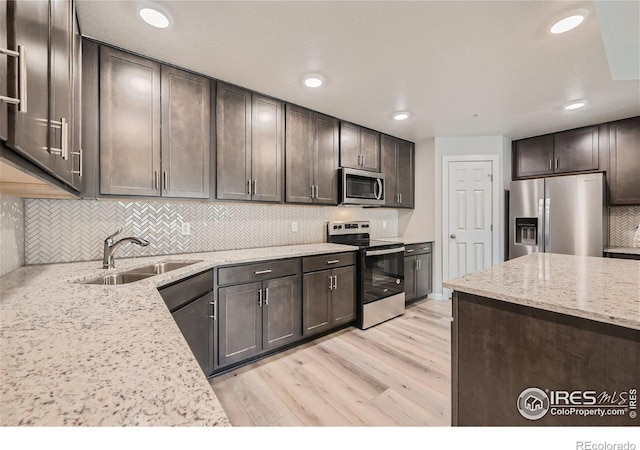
565	214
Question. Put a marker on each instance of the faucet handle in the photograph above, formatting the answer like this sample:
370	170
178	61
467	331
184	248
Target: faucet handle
118	231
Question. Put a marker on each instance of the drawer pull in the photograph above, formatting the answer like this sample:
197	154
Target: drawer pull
411	250
262	272
333	261
425	248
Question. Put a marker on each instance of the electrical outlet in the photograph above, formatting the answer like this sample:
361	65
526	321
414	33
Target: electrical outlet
294	226
186	228
384	224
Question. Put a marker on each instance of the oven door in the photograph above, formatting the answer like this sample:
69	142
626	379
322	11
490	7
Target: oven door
382	273
360	187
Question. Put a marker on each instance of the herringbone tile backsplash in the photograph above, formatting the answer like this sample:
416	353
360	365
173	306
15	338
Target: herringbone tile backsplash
11	233
623	221
74	230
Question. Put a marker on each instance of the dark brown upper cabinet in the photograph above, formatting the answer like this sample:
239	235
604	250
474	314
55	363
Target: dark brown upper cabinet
624	162
558	153
250	145
397	160
311	148
359	147
155	128
40	126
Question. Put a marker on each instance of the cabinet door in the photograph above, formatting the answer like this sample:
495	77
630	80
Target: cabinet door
343	296
299	154
388	151
281	312
61	88
28	132
406	173
423	275
624	162
533	156
409	278
350	145
239	322
576	150
196	324
267	144
316	302
233	137
370	149
325	163
186	132
129	124
4	130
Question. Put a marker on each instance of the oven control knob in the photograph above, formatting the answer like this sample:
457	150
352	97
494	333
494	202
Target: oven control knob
398	281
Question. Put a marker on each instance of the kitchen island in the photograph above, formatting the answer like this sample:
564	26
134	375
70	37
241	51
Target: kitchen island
547	339
81	354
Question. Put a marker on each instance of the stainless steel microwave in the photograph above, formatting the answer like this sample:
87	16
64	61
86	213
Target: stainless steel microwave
361	187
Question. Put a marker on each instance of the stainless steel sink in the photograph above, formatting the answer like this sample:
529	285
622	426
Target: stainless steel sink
140	273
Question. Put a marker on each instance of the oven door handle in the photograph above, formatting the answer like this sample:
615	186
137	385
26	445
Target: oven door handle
384	252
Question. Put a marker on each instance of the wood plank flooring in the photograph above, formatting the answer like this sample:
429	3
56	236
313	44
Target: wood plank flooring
394	374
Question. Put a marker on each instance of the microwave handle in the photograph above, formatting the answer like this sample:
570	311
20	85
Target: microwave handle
378	192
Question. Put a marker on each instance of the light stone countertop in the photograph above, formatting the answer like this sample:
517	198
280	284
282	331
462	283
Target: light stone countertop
77	354
624	250
601	289
406	240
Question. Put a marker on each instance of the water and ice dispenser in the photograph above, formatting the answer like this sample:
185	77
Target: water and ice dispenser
526	231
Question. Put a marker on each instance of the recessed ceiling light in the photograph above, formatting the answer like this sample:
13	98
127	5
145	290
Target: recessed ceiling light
569	23
401	115
575	105
154	17
313	81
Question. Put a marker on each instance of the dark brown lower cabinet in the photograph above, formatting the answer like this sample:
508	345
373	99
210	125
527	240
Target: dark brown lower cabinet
418	276
195	321
256	317
329	299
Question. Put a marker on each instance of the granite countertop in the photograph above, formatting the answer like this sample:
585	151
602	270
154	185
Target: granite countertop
625	250
407	240
78	354
601	289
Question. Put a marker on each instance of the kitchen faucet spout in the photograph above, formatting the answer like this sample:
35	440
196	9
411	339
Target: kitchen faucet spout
108	260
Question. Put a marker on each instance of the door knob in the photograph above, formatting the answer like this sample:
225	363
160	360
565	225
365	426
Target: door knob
453	236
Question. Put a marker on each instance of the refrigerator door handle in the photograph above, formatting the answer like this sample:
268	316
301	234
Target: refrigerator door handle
547	228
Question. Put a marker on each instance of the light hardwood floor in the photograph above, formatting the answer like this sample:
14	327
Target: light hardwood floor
394	374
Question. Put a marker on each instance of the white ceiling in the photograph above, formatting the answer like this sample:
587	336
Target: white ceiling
442	61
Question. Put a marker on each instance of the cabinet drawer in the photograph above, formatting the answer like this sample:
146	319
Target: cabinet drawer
313	263
184	291
258	271
416	249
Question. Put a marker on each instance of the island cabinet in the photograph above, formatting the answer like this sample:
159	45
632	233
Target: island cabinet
38	83
250	145
624	162
397	166
312	145
328	292
558	153
418	274
359	147
259	309
192	304
154	128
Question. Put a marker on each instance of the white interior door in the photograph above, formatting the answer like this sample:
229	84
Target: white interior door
470	207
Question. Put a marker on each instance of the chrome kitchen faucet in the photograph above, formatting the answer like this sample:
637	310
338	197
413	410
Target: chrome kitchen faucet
108	260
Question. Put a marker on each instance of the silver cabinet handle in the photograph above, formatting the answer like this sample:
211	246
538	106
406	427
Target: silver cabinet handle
165	182
335	282
313	191
63	150
556	168
249	186
255	186
261	272
333	261
363	161
317	191
21	100
79	154
425	248
400	197
411	250
260	298
214	310
155	180
550	162
453	236
330	283
419	264
266	297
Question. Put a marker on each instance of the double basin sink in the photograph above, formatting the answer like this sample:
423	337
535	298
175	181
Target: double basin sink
140	273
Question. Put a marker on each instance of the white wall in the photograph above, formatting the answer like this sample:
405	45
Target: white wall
476	145
421	221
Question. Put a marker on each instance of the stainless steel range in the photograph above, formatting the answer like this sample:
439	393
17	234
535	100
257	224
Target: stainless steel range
380	272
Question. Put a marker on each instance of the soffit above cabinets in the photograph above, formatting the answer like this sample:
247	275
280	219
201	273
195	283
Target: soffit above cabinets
444	62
